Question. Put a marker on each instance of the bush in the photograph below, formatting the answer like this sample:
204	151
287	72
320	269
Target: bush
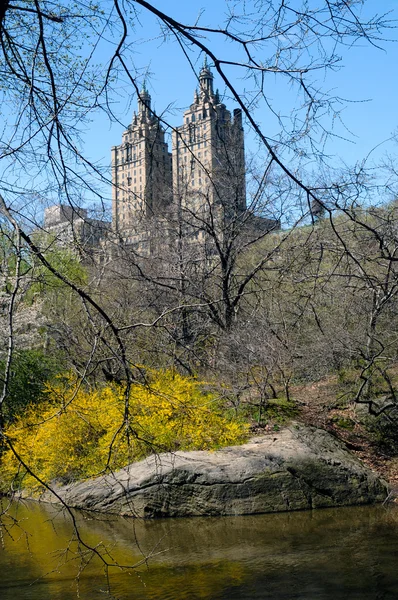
383	432
79	432
30	370
270	411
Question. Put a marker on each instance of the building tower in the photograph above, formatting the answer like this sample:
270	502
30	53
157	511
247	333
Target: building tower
141	173
208	154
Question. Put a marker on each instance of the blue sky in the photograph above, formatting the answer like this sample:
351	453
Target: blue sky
366	81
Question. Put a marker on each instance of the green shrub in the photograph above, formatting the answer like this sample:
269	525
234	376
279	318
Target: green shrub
30	372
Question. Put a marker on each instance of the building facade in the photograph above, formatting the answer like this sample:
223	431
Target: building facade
205	172
158	196
141	174
71	227
208	154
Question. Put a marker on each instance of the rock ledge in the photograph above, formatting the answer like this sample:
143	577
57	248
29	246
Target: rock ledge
296	468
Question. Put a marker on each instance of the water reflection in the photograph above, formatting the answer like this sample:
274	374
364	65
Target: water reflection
325	554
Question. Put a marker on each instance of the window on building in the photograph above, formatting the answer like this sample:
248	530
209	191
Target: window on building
192	133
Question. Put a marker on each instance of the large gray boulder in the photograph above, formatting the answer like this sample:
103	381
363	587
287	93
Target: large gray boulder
297	468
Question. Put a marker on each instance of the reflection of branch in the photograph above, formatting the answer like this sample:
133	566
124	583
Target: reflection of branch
92	549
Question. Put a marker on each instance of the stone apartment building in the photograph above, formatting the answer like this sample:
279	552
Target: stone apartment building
202	178
141	174
72	227
205	171
208	153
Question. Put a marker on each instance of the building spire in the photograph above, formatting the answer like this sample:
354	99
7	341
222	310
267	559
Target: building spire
144	104
206	81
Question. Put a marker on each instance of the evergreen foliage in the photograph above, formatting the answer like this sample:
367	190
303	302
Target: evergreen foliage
30	371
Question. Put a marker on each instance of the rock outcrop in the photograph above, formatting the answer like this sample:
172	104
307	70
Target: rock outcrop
296	468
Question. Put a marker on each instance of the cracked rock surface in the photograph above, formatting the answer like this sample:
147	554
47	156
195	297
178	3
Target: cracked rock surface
297	468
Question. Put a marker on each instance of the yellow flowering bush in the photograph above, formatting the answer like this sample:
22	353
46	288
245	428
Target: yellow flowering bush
79	432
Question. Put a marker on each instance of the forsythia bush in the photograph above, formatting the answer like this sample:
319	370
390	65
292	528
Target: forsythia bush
78	433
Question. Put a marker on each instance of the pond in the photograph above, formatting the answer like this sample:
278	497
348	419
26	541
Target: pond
325	554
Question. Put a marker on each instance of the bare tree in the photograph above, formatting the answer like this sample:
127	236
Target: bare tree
52	86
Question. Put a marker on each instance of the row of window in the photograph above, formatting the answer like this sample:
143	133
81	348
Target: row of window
201	115
127	193
128	173
198	145
195	157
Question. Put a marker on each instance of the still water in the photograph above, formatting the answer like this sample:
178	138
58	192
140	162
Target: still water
320	555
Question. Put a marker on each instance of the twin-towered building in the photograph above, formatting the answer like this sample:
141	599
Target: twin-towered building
158	195
205	171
